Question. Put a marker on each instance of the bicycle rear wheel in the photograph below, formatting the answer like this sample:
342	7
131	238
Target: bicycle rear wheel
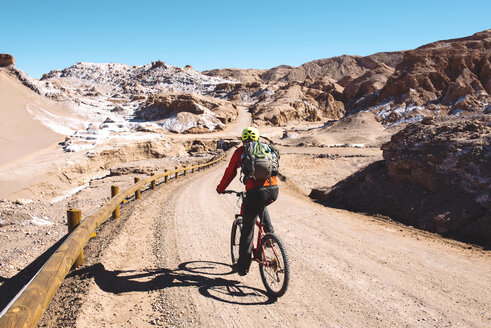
276	274
235	240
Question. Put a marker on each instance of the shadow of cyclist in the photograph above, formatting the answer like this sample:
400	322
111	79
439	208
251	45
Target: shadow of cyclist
204	275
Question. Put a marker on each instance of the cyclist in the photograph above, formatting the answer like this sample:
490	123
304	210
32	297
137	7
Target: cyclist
259	194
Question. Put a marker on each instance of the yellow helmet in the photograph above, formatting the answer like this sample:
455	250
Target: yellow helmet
250	133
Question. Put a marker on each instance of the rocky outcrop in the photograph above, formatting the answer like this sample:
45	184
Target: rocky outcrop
241	75
436	176
295	102
245	92
449	154
359	91
187	112
6	60
444	77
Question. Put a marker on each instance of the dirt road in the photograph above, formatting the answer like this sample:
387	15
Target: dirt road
169	266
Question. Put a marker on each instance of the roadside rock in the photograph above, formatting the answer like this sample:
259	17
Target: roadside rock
436	177
446	154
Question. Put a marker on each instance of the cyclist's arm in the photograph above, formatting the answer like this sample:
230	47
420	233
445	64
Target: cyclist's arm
231	170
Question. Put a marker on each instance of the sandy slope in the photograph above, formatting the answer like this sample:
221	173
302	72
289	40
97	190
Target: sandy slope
20	132
169	267
29	150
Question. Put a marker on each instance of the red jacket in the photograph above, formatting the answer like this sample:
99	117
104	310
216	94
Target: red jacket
231	172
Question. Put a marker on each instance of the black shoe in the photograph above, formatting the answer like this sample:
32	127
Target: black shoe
236	269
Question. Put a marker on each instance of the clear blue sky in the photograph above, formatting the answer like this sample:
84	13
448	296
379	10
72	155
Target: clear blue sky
46	35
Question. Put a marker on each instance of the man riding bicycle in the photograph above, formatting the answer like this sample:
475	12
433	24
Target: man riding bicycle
259	194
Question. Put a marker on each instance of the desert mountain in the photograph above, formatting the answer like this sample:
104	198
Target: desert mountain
335	68
450	77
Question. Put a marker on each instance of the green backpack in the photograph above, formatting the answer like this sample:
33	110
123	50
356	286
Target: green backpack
259	161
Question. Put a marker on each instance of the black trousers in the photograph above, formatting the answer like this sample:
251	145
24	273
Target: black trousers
255	204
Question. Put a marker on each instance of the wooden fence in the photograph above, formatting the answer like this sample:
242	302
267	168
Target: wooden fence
29	304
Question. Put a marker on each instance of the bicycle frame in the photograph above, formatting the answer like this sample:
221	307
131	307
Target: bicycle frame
268	250
257	247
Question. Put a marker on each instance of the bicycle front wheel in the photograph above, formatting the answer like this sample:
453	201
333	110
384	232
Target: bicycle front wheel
235	240
276	273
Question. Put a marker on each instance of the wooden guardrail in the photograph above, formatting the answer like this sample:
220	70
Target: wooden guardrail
29	304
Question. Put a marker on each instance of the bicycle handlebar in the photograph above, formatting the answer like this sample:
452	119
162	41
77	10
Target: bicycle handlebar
238	193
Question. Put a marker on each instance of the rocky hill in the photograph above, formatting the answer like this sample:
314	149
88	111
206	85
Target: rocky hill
450	77
186	112
444	78
296	102
435	176
106	97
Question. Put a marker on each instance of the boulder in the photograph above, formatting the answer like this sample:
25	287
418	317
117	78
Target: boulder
6	60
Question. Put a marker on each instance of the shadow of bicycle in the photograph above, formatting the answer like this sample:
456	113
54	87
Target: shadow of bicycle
207	276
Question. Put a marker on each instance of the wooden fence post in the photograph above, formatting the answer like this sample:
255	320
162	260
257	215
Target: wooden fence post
166	179
184	171
153	181
74	216
177	173
114	192
137	192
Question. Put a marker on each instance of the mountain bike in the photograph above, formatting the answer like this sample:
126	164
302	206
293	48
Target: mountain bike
269	251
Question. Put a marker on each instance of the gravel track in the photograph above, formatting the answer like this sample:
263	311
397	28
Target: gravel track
168	266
